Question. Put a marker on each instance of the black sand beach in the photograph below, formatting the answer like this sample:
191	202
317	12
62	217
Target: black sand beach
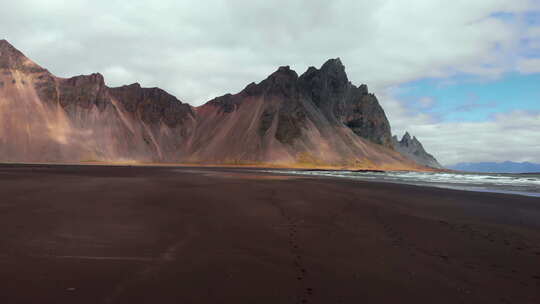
120	234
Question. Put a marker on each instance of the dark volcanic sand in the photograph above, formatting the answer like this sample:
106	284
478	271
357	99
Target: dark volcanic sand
103	234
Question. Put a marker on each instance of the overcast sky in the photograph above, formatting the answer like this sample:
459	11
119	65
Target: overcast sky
463	76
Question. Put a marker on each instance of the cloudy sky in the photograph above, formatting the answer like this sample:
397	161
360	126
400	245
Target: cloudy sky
463	76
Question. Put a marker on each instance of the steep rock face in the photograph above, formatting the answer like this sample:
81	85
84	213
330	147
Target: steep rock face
11	58
318	118
153	105
413	149
343	103
46	118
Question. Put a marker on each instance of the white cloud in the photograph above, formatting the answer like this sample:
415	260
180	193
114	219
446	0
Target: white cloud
426	102
197	50
512	136
533	32
529	66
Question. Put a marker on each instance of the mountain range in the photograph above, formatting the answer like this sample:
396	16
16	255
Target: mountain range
317	119
501	167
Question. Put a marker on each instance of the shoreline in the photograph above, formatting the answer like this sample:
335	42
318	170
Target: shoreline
471	187
275	170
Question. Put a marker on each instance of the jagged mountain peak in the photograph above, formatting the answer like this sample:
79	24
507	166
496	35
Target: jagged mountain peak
285	69
332	67
331	78
9	54
333	64
409	140
363	88
134	85
284	73
94	78
412	148
281	83
12	58
135	89
406	137
285	81
6	46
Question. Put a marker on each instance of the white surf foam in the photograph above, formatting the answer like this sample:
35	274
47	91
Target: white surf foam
523	184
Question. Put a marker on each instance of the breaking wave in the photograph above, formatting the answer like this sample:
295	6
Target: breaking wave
522	184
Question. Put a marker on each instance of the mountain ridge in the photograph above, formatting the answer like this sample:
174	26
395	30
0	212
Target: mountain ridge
318	118
497	167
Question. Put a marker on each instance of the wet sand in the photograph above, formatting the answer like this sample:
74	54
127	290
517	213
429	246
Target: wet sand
106	234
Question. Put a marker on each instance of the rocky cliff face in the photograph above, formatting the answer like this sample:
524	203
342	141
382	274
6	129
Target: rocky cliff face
47	118
342	103
413	149
317	118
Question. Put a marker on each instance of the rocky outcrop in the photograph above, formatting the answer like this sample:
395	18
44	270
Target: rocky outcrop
153	105
343	103
316	119
13	59
52	119
413	149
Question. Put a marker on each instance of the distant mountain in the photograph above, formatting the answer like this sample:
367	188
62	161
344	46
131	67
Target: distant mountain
413	149
316	119
504	167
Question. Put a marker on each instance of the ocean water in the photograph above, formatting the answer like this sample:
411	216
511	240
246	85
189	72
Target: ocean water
521	184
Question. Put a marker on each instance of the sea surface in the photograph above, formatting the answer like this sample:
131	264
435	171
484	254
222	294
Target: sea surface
521	184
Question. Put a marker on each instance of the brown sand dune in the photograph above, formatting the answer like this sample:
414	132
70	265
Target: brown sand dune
106	234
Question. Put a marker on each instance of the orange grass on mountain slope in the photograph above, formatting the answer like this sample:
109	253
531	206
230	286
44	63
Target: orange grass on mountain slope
302	164
247	165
